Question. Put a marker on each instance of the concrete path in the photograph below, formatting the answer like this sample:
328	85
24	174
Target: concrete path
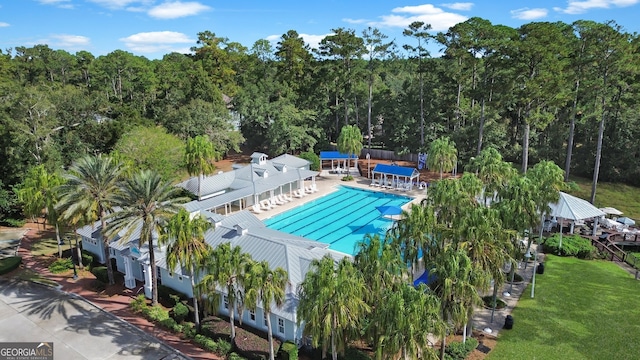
482	317
79	330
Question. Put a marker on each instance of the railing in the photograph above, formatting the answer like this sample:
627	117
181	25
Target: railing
633	260
604	248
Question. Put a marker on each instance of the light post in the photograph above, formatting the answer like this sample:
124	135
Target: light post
75	271
368	166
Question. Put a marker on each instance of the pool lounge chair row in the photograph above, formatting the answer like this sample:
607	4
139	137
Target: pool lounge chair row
269	204
404	186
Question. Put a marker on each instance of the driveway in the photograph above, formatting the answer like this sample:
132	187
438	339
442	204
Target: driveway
35	313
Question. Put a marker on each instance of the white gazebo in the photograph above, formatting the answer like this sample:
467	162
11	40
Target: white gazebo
573	208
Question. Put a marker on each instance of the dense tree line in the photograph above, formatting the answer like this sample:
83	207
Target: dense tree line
564	92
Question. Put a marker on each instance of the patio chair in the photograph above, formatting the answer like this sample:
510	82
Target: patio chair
287	197
255	209
299	193
282	199
265	205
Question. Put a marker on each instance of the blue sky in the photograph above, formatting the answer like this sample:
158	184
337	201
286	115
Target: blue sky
153	28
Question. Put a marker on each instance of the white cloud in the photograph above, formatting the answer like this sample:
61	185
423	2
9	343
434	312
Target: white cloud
70	41
529	14
354	21
119	4
312	40
439	19
465	6
151	42
64	4
581	7
177	9
4	24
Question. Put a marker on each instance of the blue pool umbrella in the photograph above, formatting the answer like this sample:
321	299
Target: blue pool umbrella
389	210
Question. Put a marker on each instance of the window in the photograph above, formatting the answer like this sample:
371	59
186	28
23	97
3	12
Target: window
264	316
252	315
159	274
225	301
281	325
179	278
170	274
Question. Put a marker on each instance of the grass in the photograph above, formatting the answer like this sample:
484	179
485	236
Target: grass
625	198
46	247
583	309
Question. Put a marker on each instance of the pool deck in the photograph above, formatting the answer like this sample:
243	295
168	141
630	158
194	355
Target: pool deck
327	183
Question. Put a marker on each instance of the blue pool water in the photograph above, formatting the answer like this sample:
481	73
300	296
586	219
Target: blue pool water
339	219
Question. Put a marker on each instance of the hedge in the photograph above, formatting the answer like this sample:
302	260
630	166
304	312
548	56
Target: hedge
9	264
100	272
572	245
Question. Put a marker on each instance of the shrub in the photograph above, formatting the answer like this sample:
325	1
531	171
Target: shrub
288	351
206	343
155	313
234	356
9	264
100	272
171	325
313	158
61	265
180	312
224	347
347	178
98	285
87	259
189	330
572	245
460	351
14	222
139	303
167	296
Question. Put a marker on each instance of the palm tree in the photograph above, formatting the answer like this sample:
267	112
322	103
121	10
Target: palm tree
90	189
225	267
147	203
39	191
413	234
454	287
266	286
332	303
408	315
492	171
350	141
443	155
199	156
187	247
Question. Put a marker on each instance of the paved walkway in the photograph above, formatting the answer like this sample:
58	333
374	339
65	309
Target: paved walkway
115	302
78	330
482	318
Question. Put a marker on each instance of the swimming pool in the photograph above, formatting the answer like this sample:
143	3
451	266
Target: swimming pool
339	219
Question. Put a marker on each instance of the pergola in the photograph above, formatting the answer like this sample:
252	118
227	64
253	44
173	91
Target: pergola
336	157
401	177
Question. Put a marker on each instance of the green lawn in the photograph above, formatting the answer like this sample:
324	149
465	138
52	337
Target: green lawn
582	310
48	246
622	197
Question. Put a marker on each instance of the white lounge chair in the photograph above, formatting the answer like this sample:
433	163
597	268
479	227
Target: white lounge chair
282	199
255	209
265	205
298	193
274	202
287	197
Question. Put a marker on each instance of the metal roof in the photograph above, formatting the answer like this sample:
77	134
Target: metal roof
336	155
290	161
396	170
573	208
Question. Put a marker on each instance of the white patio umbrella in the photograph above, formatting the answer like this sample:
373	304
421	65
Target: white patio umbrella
611	211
